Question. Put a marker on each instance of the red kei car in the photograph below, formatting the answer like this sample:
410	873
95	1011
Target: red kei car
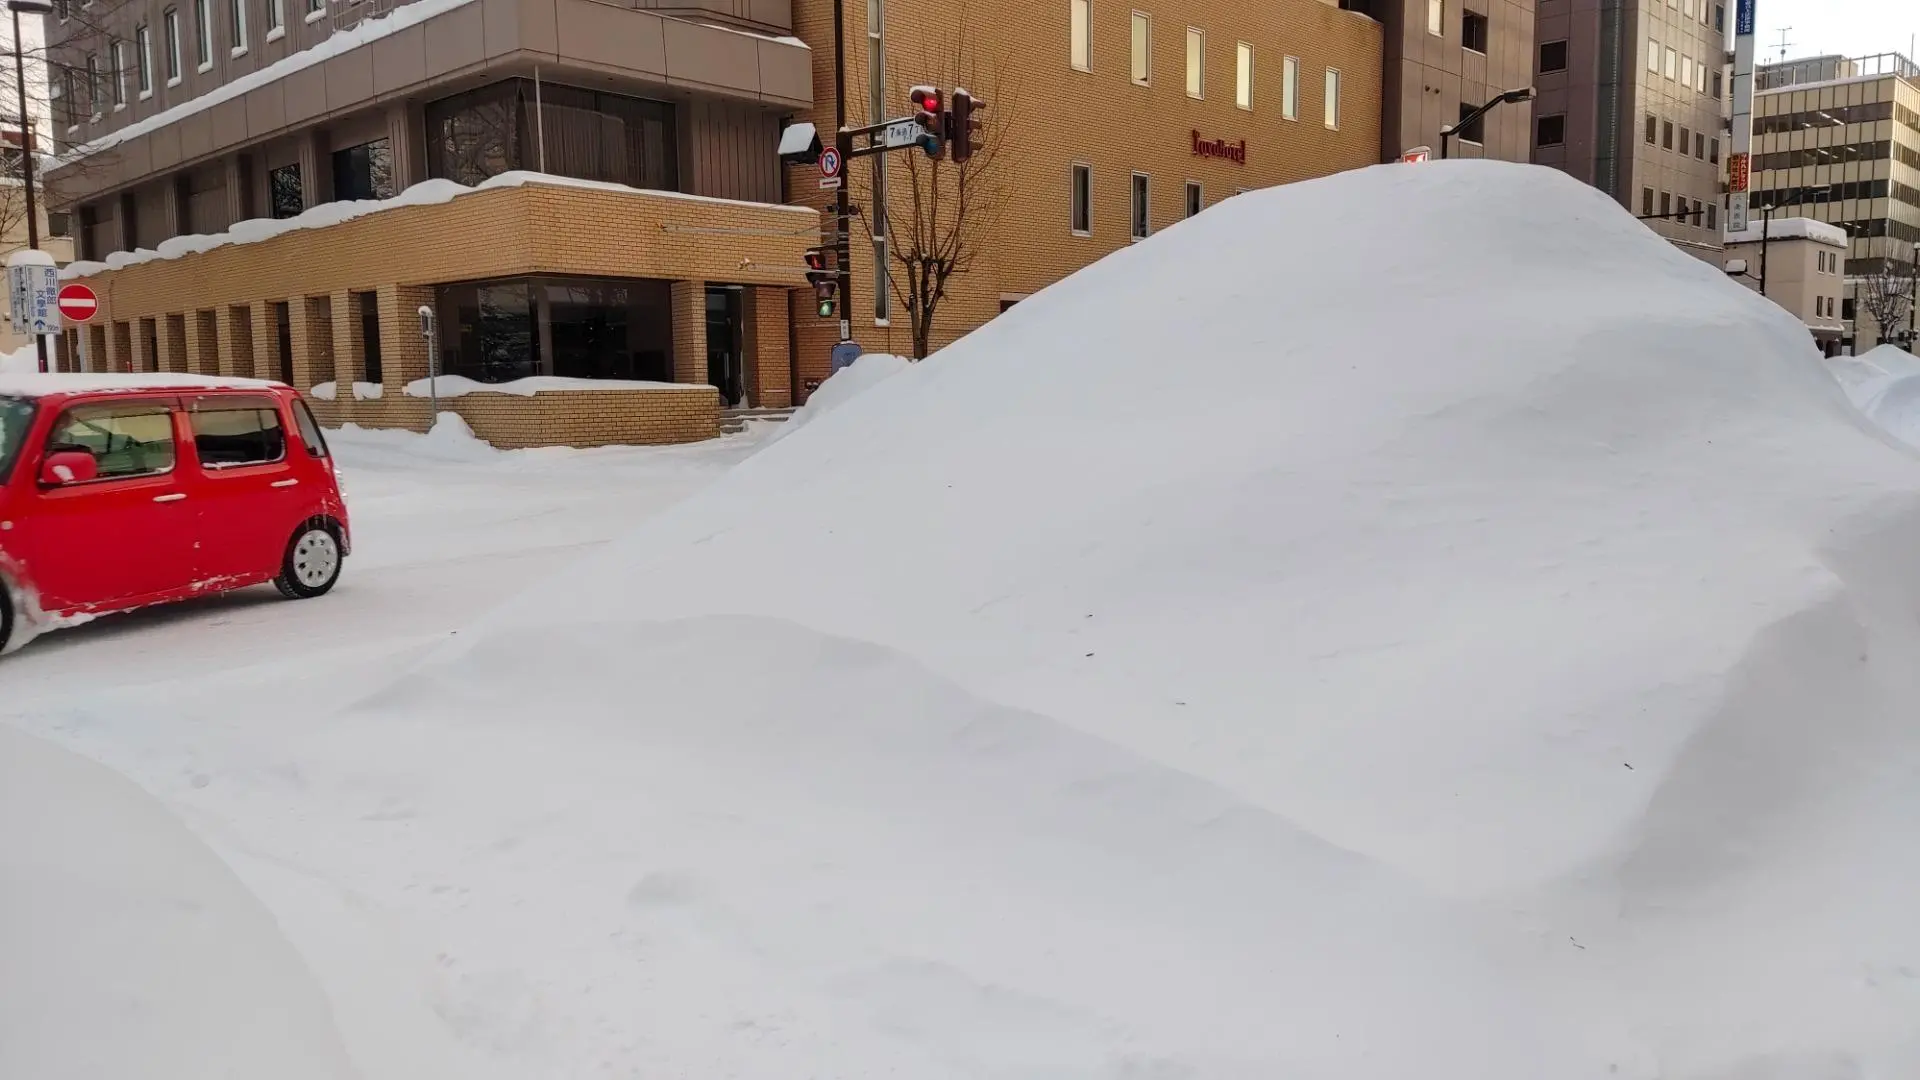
121	491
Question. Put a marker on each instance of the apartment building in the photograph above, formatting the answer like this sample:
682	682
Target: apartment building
1446	58
1799	264
275	186
1634	100
1837	139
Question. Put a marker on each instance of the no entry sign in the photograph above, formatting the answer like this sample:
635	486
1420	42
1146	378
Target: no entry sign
78	303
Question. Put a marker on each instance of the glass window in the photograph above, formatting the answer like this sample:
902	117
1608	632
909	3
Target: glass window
93	84
229	433
581	133
1666	203
1142	48
310	434
1332	108
1474	31
1290	88
1194	199
1080	200
1713	151
1080	17
125	439
1243	76
604	329
1653	129
1699	145
143	58
364	171
202	35
1553	57
315	7
1666	135
237	14
1672	69
1196	62
487	331
171	22
1646	202
119	53
285	197
276	15
1653	56
16	416
1142	217
369	305
1686	70
1550	131
1436	17
1474	132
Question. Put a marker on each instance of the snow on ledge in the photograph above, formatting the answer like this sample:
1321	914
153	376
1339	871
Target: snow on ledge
425	193
1796	228
453	386
325	391
37	385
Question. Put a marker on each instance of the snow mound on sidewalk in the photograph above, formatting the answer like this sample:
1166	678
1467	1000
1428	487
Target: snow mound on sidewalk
852	381
1411	624
130	950
1885	384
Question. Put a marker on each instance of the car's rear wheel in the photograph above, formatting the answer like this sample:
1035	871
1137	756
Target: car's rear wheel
312	563
6	616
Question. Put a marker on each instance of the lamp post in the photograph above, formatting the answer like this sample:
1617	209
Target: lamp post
27	148
1913	300
1766	236
1448	131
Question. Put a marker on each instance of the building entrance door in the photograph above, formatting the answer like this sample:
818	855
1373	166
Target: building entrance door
726	366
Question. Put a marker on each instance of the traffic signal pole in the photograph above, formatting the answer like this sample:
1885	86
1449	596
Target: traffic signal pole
843	141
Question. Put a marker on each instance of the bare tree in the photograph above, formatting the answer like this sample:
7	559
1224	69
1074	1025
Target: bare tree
936	214
1887	294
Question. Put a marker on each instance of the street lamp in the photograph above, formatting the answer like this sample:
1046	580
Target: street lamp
1511	97
27	147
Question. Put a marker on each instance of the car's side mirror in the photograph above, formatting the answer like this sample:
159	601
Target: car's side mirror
68	467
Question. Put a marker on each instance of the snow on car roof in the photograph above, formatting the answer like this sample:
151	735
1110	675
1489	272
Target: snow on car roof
35	385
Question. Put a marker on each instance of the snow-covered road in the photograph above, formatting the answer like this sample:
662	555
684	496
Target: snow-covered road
443	529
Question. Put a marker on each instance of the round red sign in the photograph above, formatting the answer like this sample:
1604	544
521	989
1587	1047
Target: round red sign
78	303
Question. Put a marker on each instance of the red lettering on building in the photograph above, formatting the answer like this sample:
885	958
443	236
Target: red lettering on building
1220	148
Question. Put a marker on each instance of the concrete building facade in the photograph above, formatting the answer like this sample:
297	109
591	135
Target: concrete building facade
1634	100
1445	58
338	166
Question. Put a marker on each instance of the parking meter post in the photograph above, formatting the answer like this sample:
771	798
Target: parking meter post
433	364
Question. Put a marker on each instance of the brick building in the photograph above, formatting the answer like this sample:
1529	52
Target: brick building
665	246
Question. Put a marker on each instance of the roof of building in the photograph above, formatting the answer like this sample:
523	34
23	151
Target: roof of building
34	385
1794	228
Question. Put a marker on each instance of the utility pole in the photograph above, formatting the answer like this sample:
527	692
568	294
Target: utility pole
1766	237
843	141
27	147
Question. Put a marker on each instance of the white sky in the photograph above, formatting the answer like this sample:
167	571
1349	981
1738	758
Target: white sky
1848	27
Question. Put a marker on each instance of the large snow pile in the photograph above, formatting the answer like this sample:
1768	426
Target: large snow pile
21	361
1410	625
865	373
130	950
1885	384
1416	623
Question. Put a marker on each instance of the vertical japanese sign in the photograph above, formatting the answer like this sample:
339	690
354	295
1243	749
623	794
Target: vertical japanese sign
1739	162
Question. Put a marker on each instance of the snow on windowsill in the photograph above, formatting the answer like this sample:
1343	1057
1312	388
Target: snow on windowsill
276	33
362	391
315	16
325	391
238	51
425	193
453	386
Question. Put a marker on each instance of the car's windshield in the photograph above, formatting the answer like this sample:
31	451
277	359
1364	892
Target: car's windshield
16	415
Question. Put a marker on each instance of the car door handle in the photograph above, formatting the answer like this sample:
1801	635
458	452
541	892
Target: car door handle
175	497
283	483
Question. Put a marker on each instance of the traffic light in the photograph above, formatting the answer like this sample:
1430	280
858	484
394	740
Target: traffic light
933	122
823	282
961	126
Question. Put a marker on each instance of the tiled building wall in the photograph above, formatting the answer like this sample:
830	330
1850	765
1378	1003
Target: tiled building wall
1016	55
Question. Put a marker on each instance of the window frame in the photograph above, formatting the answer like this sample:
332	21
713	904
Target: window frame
1540	58
1437	18
234	403
1243	76
1080	34
1539	121
1467	15
1140	207
1290	88
143	56
1196	199
276	20
1196	63
1080	198
117	57
1653	56
93	86
1330	105
237	13
176	59
145	406
202	36
1140	40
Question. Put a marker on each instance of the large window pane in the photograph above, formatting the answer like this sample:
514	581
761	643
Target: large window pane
572	132
611	329
364	171
488	331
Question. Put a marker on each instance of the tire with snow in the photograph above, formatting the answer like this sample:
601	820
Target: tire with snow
311	565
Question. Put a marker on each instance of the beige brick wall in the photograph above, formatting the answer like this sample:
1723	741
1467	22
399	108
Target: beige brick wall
582	418
769	374
1051	115
689	331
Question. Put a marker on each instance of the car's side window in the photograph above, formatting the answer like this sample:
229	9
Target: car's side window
133	438
309	430
237	431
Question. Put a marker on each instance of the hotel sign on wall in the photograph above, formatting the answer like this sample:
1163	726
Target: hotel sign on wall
1235	152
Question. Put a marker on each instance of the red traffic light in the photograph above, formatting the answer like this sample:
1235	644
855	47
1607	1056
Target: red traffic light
926	99
816	259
